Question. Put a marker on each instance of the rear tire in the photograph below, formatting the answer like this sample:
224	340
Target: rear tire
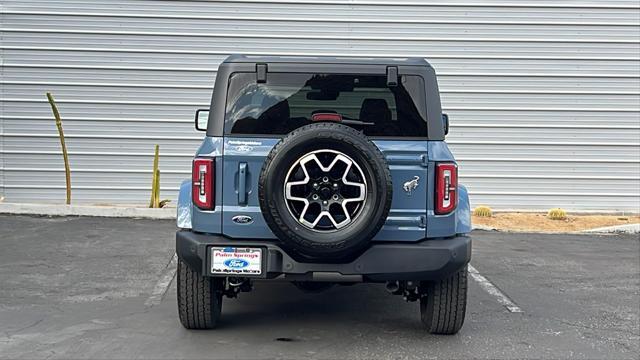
443	305
199	298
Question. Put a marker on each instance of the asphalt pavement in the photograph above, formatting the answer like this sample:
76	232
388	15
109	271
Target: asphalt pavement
80	287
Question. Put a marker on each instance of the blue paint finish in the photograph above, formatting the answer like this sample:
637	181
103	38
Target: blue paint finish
439	151
463	211
250	154
210	147
185	206
411	217
258	229
406	160
438	225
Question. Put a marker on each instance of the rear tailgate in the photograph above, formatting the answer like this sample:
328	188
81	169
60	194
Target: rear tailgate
408	162
242	162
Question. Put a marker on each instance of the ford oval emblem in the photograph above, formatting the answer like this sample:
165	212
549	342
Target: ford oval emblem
236	263
242	219
244	148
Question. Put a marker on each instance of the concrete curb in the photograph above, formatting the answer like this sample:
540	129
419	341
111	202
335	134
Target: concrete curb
483	228
618	229
87	210
569	211
170	214
108	211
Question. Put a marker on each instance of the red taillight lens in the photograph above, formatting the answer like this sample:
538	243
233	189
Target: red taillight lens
446	188
202	180
326	117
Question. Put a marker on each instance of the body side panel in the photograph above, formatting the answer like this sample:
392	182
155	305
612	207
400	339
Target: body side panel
445	225
210	221
463	212
185	206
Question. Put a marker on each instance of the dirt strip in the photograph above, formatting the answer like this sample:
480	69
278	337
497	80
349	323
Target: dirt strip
540	222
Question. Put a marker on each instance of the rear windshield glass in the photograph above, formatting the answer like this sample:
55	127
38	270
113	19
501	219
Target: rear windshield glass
290	100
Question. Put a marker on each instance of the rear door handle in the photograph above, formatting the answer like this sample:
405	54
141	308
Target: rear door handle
242	183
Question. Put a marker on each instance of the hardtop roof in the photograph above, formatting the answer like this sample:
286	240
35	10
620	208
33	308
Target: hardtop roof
399	61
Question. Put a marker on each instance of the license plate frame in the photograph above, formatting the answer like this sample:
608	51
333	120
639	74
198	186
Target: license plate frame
240	261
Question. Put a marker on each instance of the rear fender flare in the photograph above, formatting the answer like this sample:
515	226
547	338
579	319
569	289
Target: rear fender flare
185	206
463	211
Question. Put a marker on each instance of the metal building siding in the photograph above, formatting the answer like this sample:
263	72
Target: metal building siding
544	96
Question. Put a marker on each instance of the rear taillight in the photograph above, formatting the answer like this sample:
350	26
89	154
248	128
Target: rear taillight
326	117
446	188
202	180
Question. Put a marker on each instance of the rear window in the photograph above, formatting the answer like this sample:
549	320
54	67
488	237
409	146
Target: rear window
290	100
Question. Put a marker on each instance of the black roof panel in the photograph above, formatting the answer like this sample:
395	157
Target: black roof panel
237	58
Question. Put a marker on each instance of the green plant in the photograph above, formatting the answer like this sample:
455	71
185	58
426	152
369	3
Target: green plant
65	156
557	214
482	211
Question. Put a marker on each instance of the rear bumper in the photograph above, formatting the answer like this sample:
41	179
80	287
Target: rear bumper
426	260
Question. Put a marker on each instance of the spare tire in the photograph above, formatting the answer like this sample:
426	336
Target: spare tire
325	190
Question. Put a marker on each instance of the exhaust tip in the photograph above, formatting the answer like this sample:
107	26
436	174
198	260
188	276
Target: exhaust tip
392	287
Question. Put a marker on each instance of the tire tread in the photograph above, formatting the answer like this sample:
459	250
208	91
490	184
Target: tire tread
443	306
199	299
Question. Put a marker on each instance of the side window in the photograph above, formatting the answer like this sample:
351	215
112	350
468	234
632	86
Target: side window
290	100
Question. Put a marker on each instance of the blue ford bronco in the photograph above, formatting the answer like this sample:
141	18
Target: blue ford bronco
324	171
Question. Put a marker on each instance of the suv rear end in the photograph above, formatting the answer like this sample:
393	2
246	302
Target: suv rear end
321	171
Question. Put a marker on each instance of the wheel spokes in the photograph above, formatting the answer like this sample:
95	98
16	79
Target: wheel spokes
325	192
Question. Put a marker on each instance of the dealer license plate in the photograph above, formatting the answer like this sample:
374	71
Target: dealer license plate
236	261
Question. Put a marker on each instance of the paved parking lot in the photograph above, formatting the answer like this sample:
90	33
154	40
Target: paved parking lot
77	288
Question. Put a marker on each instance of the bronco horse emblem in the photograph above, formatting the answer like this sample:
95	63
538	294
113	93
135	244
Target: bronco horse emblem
411	185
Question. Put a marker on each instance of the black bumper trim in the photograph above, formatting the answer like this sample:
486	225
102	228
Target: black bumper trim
425	260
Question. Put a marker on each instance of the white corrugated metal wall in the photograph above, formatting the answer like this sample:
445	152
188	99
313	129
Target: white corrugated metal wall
544	96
